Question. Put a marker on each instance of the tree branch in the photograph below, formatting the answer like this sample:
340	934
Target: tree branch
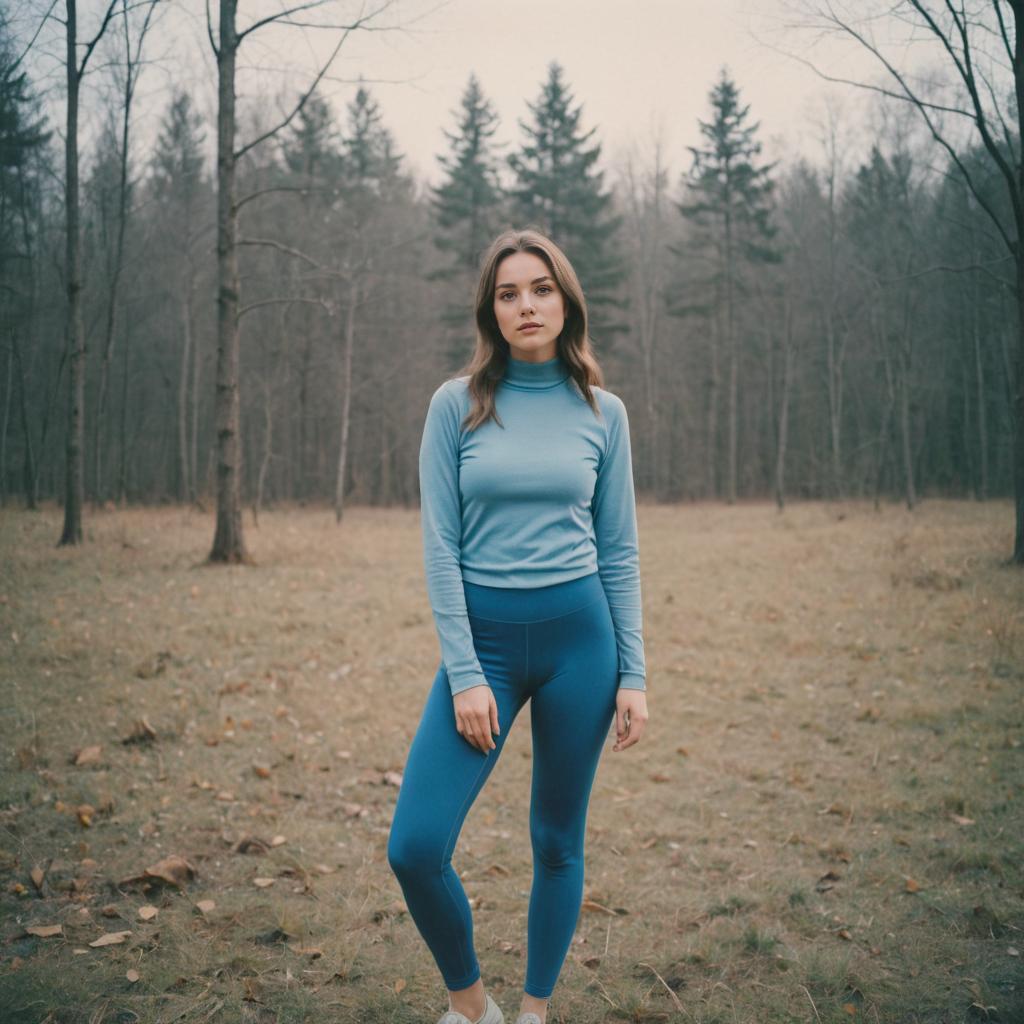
280	14
277	302
209	31
911	96
35	36
80	71
281	247
967	75
358	23
277	188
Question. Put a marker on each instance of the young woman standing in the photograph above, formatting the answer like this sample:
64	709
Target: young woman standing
532	569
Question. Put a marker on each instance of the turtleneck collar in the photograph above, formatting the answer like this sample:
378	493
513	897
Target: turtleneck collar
520	373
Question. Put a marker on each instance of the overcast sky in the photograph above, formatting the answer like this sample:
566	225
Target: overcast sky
636	67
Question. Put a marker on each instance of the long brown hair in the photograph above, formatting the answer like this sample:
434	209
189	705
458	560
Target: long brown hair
490	358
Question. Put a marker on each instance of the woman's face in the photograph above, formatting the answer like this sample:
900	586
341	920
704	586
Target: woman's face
529	306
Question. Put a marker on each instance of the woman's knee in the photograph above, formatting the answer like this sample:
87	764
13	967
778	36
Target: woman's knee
414	851
556	847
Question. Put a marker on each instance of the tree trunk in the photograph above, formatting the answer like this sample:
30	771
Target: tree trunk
228	542
1017	383
108	348
184	481
346	401
787	376
730	325
74	489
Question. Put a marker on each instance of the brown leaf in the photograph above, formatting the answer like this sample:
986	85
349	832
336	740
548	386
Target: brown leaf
88	755
912	886
153	666
593	905
37	874
261	770
142	732
172	869
110	910
399	985
205	906
110	939
659	777
251	844
148	912
262	883
45	931
132	975
85	813
278	841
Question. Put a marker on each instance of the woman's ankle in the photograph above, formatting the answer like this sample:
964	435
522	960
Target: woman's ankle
471	1002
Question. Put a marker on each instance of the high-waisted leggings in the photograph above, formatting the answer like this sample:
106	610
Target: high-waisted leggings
554	646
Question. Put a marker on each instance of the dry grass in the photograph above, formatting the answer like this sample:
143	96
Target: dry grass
822	824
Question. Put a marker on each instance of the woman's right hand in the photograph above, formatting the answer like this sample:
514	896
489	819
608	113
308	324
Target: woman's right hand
476	716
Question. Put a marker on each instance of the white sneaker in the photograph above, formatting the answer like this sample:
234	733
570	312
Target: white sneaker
528	1018
492	1015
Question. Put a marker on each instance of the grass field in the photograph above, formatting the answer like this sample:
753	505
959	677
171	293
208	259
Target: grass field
823	822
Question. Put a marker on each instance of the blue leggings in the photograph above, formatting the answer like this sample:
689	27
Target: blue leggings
554	646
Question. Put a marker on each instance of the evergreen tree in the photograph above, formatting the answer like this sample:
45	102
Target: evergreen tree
369	163
559	189
733	203
311	148
467	203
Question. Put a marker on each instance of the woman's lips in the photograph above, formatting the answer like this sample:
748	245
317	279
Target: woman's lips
530	327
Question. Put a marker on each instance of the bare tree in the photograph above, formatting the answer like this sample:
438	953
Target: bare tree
132	69
228	542
981	46
75	475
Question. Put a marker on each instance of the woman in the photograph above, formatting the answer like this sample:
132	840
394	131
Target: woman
532	570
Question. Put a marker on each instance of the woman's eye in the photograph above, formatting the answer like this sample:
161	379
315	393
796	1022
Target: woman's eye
544	288
507	295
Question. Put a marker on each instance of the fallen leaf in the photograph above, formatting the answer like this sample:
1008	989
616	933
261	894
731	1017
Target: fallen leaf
261	770
593	905
110	939
262	883
172	869
960	820
251	844
278	841
37	874
142	732
399	985
147	913
912	886
132	975
205	906
85	813
45	931
88	755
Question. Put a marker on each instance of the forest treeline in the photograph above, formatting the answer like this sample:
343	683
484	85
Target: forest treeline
839	328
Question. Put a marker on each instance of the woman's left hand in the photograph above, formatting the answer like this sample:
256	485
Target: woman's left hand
630	717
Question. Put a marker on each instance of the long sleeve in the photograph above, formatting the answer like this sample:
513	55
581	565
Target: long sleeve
618	556
441	520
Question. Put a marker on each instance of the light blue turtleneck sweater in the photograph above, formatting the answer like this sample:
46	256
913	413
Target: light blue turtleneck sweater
544	499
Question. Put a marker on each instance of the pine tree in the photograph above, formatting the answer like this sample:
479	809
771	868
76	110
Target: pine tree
559	189
733	201
467	204
369	162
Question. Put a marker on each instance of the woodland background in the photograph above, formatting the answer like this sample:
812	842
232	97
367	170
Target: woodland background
843	327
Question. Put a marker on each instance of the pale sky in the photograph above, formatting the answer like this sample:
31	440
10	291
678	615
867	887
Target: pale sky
636	68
